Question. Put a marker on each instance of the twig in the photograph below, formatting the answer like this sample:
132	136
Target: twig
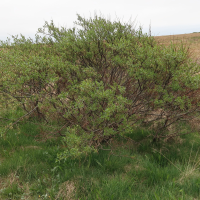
5	118
168	160
22	118
132	157
173	135
61	130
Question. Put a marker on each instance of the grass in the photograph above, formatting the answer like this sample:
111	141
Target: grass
168	170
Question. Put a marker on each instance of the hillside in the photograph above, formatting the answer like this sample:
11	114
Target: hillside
192	40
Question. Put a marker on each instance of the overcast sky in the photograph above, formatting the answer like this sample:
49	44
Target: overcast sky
165	16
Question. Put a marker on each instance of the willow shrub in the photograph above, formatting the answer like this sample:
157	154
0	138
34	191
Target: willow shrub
99	80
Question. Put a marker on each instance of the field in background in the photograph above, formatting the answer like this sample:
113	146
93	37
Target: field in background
192	40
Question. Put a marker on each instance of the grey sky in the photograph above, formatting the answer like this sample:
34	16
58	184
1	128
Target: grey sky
165	16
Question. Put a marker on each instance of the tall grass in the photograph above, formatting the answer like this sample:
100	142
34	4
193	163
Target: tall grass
135	171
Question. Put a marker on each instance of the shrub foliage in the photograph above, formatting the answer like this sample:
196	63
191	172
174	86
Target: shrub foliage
99	79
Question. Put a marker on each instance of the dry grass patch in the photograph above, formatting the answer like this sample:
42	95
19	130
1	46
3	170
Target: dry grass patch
12	179
9	181
195	124
189	173
31	147
136	167
66	191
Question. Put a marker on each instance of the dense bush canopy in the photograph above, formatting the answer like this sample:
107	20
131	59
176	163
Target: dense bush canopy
99	79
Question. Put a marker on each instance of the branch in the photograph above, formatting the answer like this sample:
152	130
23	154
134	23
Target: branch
21	118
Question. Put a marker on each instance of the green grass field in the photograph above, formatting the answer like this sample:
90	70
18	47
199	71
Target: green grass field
148	171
